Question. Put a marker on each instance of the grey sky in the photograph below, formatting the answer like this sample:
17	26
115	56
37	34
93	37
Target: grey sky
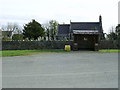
22	11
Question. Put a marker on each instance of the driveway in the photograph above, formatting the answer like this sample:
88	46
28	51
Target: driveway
61	70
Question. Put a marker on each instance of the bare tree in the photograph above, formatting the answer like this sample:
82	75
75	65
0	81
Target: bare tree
112	34
112	29
14	27
51	29
47	30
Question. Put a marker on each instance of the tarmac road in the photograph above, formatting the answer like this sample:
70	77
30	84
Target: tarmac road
61	70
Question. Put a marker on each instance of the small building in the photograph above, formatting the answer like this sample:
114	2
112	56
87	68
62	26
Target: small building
7	34
86	35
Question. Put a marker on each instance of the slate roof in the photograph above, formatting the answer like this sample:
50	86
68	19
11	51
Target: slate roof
63	28
85	26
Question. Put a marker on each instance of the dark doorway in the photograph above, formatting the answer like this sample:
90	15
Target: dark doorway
85	41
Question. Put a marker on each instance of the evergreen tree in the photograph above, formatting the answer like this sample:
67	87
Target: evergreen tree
33	30
118	31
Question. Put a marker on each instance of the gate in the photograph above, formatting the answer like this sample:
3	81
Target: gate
85	41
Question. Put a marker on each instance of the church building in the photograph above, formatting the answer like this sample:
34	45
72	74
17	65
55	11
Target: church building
85	35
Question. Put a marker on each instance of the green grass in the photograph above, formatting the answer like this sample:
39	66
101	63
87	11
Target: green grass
7	53
110	50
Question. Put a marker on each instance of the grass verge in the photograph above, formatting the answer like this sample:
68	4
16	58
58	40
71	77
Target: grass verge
7	53
110	50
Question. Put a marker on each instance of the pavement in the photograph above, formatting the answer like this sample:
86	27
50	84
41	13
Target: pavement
61	70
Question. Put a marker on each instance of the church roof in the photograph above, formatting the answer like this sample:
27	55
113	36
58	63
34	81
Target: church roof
85	26
63	28
81	27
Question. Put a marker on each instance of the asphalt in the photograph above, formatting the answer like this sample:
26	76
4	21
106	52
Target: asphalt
61	70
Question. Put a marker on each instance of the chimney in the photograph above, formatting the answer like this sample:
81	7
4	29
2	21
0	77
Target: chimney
100	19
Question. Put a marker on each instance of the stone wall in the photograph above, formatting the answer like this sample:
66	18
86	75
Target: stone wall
106	44
29	45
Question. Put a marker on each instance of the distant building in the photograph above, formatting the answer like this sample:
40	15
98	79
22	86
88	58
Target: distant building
7	34
84	34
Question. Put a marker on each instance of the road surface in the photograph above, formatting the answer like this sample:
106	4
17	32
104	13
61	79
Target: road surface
61	70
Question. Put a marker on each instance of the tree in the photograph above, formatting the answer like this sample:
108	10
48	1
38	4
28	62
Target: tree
14	27
53	28
47	30
112	35
17	37
33	30
9	29
118	31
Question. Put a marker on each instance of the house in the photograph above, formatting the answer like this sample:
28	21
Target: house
7	34
84	34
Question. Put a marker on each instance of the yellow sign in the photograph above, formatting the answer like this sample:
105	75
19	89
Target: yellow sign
67	47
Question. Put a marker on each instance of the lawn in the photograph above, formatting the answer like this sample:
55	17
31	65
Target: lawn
110	50
7	53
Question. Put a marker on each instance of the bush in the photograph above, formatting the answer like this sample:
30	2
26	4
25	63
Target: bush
6	39
17	37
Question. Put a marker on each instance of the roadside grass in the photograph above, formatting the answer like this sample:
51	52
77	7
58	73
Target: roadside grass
110	50
7	53
10	53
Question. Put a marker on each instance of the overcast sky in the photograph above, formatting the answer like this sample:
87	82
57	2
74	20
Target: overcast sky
23	11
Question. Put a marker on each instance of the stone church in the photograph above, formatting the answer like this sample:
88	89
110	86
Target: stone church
84	34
